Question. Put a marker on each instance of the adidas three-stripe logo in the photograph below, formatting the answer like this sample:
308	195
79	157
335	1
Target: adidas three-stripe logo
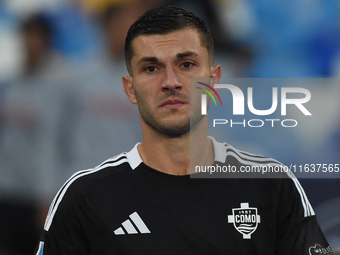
129	227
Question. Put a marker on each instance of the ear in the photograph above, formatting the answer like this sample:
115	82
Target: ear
216	73
129	91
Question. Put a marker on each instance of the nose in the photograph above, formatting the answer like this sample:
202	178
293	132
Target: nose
171	81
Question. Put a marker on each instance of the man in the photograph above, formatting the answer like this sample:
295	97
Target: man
144	201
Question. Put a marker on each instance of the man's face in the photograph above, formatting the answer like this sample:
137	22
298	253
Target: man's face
162	66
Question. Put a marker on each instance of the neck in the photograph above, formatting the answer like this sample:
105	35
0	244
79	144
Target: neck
175	155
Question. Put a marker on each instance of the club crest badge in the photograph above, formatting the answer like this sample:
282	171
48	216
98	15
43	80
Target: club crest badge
245	220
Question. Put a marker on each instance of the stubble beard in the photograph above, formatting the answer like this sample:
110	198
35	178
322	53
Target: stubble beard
171	129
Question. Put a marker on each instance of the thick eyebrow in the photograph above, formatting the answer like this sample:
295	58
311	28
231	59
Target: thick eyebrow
186	54
178	55
147	59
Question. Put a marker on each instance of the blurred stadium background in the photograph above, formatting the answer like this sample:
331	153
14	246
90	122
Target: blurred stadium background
62	106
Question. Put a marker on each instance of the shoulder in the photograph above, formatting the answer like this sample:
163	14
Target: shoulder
264	169
75	190
225	153
246	165
117	165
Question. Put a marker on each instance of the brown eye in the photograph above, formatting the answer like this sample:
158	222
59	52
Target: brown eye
187	65
150	69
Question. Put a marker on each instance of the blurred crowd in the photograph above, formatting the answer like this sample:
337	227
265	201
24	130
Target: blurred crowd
62	106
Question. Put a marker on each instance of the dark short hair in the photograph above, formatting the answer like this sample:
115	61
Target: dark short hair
164	20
